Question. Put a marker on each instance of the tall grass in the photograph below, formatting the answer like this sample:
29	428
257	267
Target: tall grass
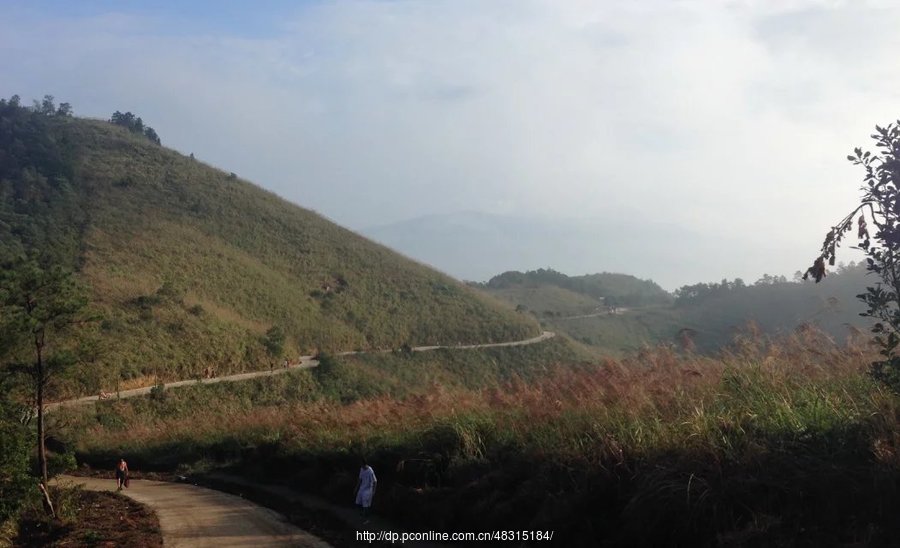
769	438
655	400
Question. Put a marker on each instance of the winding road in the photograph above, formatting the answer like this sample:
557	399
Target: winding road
305	362
196	517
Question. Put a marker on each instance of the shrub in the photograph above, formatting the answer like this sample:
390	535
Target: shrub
15	482
60	463
158	392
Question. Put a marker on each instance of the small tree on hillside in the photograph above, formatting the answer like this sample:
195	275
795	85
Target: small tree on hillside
150	133
45	106
880	207
38	307
134	124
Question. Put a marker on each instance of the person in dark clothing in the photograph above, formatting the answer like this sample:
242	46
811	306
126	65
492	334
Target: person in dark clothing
121	474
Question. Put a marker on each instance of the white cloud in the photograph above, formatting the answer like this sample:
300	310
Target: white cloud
729	117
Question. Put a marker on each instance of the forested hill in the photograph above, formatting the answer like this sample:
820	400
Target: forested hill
546	289
619	313
190	267
775	305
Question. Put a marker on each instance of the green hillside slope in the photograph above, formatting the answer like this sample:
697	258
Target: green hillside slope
703	316
190	266
549	290
549	300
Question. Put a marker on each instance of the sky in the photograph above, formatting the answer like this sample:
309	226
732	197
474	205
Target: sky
731	120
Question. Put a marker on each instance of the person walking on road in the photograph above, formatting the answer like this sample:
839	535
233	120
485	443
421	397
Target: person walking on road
365	487
121	474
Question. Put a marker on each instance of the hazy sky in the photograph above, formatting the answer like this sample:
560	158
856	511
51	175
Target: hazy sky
725	118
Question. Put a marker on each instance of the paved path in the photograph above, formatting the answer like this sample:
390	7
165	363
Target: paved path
305	362
193	517
196	517
617	312
348	515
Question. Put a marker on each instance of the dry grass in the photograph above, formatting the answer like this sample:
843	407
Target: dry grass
655	400
766	442
90	519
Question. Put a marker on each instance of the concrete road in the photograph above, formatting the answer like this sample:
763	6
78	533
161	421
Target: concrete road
195	517
305	362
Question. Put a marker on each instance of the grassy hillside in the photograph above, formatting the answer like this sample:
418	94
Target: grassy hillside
190	266
539	290
549	300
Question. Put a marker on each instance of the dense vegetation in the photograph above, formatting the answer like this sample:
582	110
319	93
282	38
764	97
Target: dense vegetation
775	305
41	211
702	316
41	222
595	290
15	482
190	267
134	124
768	443
338	381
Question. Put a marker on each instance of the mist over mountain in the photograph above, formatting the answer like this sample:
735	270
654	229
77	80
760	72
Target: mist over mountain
476	246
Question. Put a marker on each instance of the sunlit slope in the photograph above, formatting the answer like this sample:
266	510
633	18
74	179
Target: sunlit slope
549	300
191	266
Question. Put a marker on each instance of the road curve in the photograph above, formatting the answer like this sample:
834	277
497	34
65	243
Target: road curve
196	517
306	362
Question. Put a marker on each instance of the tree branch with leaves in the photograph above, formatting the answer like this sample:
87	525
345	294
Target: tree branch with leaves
879	208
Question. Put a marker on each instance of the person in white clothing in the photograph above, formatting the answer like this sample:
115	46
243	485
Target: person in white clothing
365	487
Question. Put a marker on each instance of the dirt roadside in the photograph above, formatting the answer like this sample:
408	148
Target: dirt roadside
196	517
